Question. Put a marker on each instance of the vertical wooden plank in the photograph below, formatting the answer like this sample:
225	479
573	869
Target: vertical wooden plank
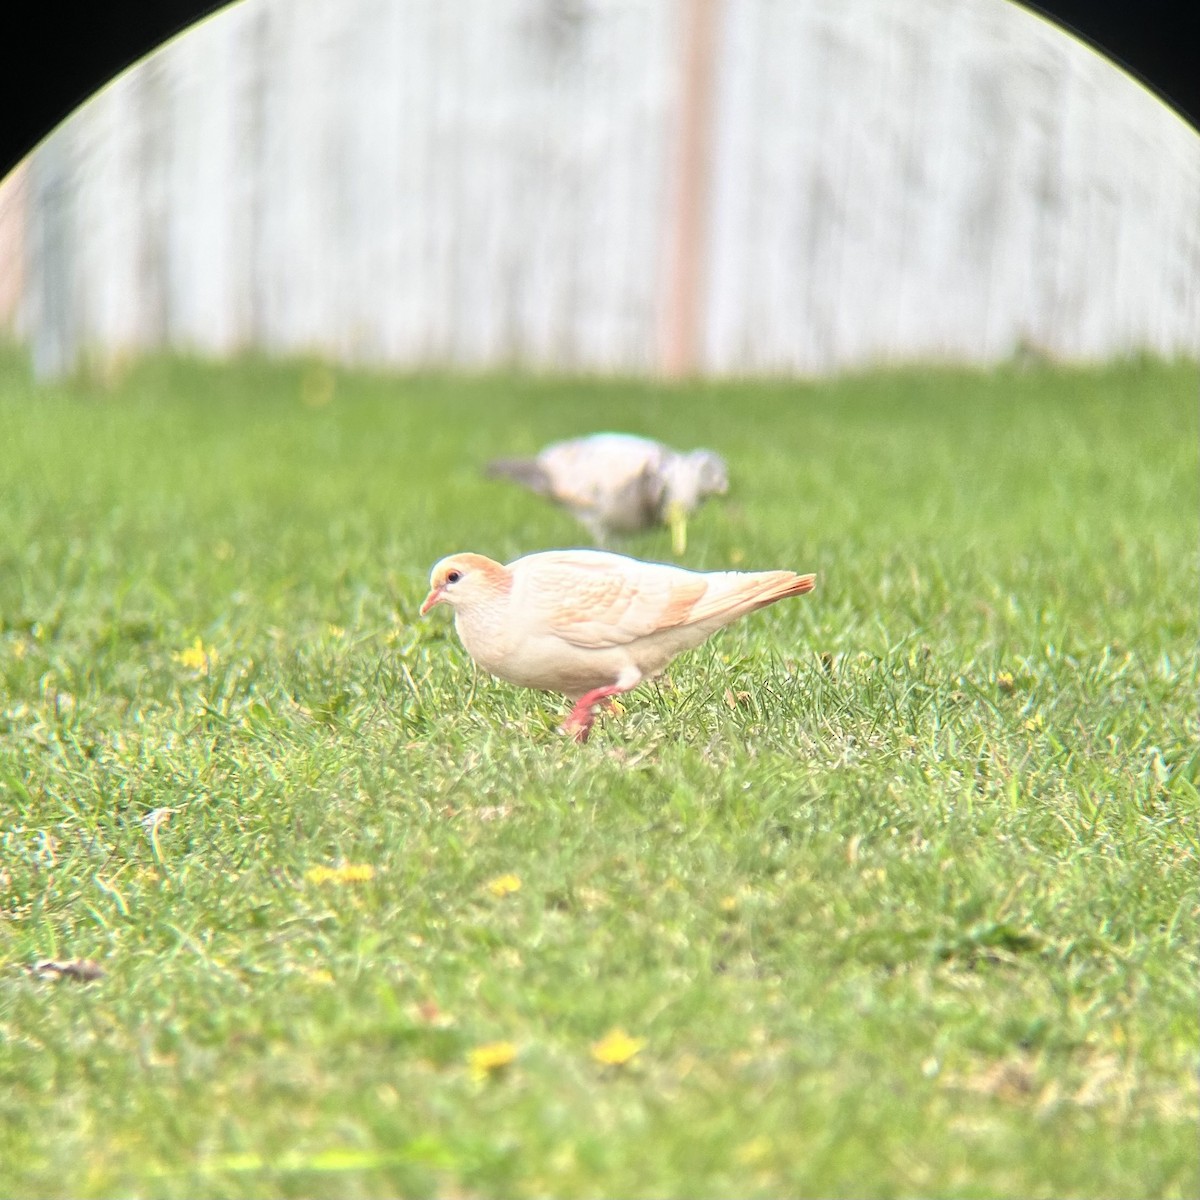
53	304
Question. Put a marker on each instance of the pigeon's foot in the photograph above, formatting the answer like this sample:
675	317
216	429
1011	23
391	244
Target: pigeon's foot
582	717
579	724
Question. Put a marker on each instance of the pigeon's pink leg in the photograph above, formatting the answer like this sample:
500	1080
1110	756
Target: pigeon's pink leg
582	717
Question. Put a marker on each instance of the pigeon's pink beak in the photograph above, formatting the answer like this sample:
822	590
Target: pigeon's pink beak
435	597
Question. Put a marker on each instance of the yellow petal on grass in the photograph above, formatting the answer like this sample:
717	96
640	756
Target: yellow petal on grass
1035	723
197	657
754	1151
1005	681
346	873
504	885
616	1048
491	1058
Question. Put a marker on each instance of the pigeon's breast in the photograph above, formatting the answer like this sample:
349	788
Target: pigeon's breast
552	665
510	651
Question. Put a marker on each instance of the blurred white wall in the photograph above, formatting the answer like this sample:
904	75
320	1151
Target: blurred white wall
495	182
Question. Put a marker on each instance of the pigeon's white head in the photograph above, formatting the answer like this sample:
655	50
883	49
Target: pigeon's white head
464	580
688	478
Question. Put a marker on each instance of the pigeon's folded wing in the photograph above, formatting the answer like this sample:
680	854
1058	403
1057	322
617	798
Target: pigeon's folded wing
596	605
593	605
584	472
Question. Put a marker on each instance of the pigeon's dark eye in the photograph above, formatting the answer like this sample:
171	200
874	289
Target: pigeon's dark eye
453	576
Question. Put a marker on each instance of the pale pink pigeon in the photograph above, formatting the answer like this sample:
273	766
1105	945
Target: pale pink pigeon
590	624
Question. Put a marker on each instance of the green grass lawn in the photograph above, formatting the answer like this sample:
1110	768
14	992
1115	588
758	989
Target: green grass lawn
892	886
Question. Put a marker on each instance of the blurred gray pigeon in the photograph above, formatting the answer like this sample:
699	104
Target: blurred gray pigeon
617	483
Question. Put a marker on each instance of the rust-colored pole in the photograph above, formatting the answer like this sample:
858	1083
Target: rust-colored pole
684	301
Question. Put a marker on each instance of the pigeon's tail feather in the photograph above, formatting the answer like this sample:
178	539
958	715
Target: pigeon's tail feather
723	596
526	471
790	584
